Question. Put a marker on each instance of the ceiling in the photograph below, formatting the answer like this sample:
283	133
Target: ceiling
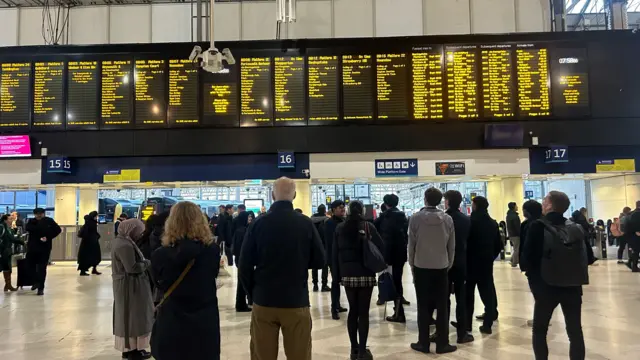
72	3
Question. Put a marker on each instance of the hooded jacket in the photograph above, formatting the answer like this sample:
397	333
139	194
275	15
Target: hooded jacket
484	243
318	221
513	223
393	227
432	239
192	309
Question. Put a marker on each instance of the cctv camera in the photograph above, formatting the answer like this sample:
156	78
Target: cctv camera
195	53
212	59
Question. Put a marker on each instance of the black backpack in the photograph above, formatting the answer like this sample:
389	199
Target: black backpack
564	259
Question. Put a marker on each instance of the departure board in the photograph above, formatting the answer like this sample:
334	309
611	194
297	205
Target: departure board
255	92
357	87
391	81
116	93
462	81
289	99
532	65
14	95
497	81
324	106
427	82
48	92
220	92
183	93
82	95
570	85
150	104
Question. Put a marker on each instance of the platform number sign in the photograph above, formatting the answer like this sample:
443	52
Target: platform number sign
59	164
286	160
556	154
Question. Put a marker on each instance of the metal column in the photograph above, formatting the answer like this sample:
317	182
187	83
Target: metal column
558	15
616	11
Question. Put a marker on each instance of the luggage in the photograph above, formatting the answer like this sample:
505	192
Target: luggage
26	273
564	261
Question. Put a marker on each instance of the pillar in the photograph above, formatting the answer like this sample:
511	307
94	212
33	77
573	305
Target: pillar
559	11
88	203
617	18
494	196
501	192
303	196
65	205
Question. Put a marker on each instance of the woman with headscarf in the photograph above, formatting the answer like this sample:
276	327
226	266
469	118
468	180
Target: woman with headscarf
7	240
89	253
133	302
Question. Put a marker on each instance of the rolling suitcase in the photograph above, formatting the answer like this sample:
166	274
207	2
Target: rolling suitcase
26	273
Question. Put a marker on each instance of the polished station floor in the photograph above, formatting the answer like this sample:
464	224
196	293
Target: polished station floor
73	321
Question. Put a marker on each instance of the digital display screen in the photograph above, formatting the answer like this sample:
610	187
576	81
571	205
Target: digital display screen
427	82
150	106
570	82
116	94
15	146
324	104
14	95
357	87
289	89
48	92
391	80
532	65
220	92
82	95
462	81
183	93
255	92
497	81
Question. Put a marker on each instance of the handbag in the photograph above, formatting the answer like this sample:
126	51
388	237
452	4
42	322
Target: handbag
371	255
386	288
175	284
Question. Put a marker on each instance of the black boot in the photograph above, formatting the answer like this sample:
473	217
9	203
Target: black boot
83	273
398	316
95	271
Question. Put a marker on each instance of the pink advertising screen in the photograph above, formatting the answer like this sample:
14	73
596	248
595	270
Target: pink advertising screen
15	146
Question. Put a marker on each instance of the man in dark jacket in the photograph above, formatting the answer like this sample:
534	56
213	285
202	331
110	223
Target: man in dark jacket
121	218
483	246
338	211
632	236
232	233
318	220
225	236
458	273
392	225
42	230
513	230
278	250
548	297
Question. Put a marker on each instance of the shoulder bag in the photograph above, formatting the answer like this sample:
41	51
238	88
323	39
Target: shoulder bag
175	284
371	255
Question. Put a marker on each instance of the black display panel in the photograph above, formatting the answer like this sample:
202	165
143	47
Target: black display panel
392	86
532	69
48	93
116	94
82	95
256	105
150	106
324	104
220	94
427	82
570	84
462	81
497	81
289	99
183	93
15	112
357	87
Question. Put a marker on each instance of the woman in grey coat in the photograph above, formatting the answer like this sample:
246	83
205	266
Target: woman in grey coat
133	301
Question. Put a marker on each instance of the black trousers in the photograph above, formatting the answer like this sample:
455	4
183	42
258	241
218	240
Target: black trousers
622	243
325	275
335	292
39	262
396	273
227	251
457	278
547	298
432	291
482	277
358	319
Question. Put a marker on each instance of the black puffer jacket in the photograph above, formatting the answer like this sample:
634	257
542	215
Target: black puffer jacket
462	225
484	243
347	250
392	226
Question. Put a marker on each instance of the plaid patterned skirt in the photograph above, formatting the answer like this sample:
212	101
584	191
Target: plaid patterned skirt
359	281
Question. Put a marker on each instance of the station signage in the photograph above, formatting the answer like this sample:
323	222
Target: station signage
450	168
121	176
286	160
396	167
58	165
616	165
556	154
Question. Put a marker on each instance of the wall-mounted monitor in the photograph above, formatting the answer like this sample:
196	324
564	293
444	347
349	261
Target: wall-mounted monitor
15	146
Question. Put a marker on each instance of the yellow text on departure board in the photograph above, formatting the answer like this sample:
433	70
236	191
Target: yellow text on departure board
47	93
356	78
462	83
288	91
572	85
427	81
323	82
182	73
115	81
496	81
254	87
533	77
14	92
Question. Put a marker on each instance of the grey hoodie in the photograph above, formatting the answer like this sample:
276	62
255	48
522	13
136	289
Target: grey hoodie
432	239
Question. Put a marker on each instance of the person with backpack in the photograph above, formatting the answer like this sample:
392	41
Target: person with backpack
318	219
556	264
350	266
432	243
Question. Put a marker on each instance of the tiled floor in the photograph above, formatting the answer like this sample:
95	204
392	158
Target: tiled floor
73	321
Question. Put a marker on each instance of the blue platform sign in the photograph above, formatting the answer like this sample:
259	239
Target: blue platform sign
286	160
396	167
556	154
58	165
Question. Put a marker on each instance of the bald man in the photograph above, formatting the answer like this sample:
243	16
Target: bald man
278	250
